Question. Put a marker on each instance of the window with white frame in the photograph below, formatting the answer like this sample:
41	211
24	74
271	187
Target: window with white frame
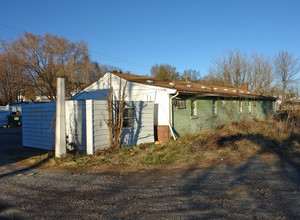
215	107
193	108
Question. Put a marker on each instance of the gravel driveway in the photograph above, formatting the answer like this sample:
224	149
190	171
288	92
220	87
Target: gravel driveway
252	190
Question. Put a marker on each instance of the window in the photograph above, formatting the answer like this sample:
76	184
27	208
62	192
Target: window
214	107
241	106
193	108
181	104
223	103
128	118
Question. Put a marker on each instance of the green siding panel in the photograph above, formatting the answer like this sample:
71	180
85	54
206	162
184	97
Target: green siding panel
228	110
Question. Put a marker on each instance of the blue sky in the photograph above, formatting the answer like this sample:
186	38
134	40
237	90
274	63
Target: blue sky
135	35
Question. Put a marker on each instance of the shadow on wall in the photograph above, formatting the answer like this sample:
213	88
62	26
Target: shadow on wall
132	135
76	129
265	109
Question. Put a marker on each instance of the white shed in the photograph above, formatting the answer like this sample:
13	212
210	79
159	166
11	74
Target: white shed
138	88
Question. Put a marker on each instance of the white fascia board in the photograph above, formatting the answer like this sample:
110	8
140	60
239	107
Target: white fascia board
157	88
106	79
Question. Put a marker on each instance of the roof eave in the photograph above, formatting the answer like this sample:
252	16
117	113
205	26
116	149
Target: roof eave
207	93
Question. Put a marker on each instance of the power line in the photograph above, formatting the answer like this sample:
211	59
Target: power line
17	31
10	29
120	59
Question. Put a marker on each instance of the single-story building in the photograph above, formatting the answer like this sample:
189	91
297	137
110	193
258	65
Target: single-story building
182	107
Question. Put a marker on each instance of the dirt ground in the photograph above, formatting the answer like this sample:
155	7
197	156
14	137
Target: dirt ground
254	189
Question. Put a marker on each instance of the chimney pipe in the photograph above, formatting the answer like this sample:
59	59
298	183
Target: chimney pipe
245	86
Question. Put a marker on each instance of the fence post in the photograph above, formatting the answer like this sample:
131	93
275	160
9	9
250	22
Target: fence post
89	127
60	126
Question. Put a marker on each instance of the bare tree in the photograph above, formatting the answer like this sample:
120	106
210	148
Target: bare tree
286	68
12	77
164	71
115	108
234	69
230	70
190	75
47	57
261	77
32	63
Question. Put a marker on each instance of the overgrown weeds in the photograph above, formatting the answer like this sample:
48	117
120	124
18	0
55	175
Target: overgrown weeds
229	144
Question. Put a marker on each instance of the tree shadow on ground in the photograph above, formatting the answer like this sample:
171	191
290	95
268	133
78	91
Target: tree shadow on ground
5	208
19	169
255	189
12	151
285	149
252	190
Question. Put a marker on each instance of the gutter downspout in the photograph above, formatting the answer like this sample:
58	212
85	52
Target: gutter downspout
171	116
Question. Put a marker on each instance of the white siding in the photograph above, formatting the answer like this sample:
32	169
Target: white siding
100	134
76	124
143	130
4	112
38	125
97	130
85	124
38	128
134	92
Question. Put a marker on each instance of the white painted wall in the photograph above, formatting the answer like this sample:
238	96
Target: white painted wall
97	130
85	124
38	125
143	130
76	124
4	112
134	92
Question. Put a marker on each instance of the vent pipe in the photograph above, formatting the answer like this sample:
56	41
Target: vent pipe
245	86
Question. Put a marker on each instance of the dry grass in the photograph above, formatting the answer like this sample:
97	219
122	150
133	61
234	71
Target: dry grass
238	191
229	144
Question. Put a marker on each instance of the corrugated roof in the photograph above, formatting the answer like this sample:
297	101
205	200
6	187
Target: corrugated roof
190	87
